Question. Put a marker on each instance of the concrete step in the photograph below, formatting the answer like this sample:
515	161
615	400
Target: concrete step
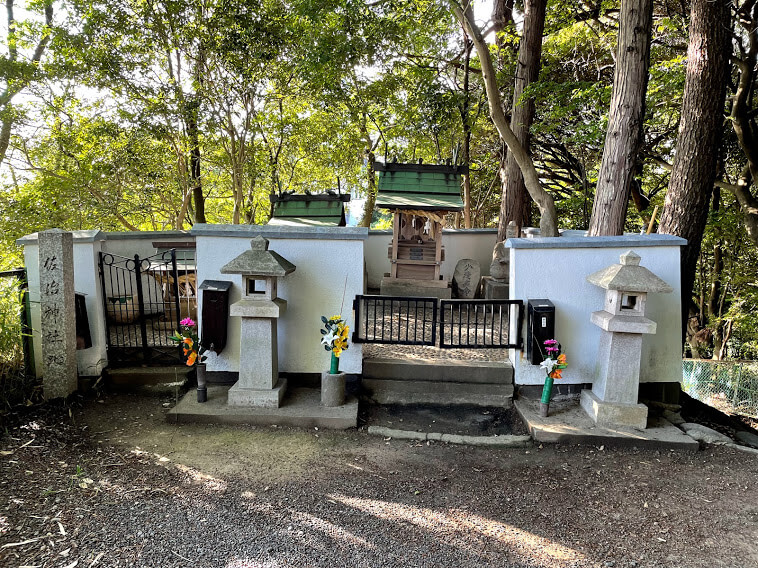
439	370
388	391
148	380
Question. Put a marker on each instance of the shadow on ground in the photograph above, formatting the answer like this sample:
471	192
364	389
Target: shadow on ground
114	484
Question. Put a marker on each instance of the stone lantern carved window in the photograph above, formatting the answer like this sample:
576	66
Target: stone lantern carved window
629	302
255	286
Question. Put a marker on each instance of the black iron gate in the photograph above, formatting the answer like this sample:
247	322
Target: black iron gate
141	297
395	319
468	324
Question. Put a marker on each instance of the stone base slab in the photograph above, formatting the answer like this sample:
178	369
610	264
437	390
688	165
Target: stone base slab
261	398
415	288
568	423
494	289
301	408
613	414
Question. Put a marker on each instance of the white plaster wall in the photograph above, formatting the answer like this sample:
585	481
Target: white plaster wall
325	269
558	274
87	281
458	243
128	244
90	361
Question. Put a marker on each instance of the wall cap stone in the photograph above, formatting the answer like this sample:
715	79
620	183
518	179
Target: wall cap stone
89	236
275	232
577	239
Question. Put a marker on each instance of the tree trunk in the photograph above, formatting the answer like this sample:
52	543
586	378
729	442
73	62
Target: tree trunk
20	83
515	205
502	20
368	209
743	118
626	116
466	120
548	219
196	182
685	211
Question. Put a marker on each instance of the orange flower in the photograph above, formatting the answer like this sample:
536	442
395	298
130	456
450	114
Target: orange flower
191	358
562	359
556	374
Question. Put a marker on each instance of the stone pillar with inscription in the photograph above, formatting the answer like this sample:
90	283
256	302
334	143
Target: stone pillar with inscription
57	315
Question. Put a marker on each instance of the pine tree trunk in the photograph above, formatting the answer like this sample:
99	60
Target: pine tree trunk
694	171
627	113
515	204
466	120
502	21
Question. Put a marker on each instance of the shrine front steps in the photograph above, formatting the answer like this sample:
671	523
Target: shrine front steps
438	381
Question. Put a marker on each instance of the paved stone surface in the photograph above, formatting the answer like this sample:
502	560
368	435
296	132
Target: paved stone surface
375	351
568	423
507	441
301	408
705	434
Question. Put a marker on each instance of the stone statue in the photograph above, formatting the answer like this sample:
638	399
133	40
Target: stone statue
500	266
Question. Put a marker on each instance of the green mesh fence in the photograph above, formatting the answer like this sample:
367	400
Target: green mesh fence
730	386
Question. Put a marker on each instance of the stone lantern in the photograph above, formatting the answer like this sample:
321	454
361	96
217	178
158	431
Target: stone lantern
613	398
258	309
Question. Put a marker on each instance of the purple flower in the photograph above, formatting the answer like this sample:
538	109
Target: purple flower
187	322
550	342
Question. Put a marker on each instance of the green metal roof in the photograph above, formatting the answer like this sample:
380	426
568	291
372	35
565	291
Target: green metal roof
425	188
313	210
305	221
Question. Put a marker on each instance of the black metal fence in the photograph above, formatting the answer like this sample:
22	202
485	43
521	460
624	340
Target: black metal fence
470	324
479	324
395	320
143	307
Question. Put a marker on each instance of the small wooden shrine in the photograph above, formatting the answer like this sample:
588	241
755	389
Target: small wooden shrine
419	195
309	209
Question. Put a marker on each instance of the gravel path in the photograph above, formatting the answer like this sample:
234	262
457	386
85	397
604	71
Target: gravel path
115	485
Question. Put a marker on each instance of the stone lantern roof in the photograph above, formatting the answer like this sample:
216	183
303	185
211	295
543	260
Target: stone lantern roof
259	261
629	276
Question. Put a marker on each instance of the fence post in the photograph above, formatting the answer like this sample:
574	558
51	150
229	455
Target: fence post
737	386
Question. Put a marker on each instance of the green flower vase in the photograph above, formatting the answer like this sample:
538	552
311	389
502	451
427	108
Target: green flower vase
547	392
335	366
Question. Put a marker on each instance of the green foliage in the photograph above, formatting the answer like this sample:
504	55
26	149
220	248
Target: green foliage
301	95
14	386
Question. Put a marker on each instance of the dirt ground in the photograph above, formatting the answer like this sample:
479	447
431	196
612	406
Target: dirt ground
109	482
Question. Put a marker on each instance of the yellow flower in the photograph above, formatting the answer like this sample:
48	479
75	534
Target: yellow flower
191	358
344	330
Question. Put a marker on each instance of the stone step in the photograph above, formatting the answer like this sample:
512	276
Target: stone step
387	391
152	380
439	370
